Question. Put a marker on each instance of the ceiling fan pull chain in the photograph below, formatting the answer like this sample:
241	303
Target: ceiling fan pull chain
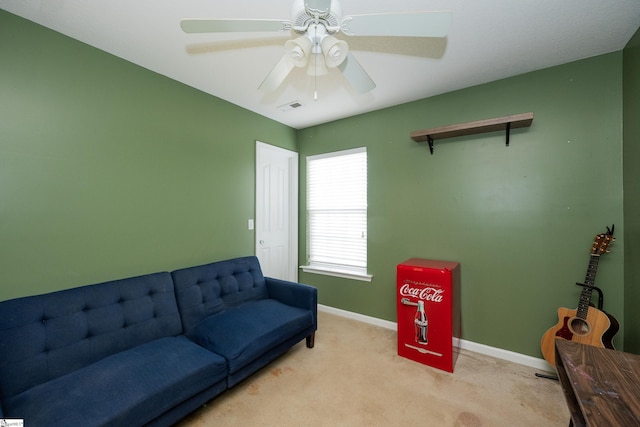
315	75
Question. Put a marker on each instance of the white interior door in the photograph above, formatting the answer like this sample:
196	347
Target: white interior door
277	211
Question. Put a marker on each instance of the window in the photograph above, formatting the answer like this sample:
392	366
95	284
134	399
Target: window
337	214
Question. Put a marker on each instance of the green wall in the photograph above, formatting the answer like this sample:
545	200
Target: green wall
631	61
520	219
108	170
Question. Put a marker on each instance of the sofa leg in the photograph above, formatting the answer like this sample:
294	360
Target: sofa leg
311	340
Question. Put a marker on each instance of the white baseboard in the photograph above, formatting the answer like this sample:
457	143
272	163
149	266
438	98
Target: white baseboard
498	353
357	316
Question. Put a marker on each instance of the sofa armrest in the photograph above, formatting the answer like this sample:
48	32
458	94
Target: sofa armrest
294	294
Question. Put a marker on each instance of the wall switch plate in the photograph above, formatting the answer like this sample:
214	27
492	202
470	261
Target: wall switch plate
250	224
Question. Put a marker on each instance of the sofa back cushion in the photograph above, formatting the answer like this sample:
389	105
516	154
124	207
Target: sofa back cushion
47	336
206	290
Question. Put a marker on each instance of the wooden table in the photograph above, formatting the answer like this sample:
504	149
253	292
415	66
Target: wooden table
601	386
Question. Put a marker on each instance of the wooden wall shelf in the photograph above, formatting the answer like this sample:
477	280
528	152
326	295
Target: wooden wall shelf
505	123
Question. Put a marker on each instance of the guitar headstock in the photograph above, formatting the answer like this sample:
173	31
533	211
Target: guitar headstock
602	242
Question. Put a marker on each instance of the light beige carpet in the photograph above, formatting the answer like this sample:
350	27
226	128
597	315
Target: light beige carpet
353	377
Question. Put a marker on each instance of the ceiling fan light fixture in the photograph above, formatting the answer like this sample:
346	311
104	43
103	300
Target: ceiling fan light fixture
335	51
298	50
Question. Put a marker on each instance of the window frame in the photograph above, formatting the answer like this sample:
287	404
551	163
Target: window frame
330	269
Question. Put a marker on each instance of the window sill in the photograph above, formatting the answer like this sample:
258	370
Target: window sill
337	273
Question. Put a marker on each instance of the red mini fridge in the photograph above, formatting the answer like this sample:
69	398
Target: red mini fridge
428	306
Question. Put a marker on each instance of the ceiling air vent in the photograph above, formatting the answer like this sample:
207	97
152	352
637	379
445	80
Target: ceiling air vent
290	106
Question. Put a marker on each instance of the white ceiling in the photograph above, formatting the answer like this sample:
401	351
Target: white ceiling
488	40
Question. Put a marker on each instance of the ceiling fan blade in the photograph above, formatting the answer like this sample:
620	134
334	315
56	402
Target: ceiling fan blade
277	74
401	24
224	45
422	47
233	25
356	75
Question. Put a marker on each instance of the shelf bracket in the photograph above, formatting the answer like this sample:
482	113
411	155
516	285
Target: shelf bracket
430	142
508	131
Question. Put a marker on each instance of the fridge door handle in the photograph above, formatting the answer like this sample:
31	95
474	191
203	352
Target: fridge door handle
407	301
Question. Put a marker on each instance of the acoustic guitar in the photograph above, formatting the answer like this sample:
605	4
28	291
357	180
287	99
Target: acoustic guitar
586	324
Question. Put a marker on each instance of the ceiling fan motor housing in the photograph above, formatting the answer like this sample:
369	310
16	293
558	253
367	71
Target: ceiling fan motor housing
302	17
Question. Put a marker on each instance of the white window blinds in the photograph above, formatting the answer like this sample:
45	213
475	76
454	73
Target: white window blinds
337	211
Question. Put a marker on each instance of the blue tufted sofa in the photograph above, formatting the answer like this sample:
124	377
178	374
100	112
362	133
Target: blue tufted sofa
146	350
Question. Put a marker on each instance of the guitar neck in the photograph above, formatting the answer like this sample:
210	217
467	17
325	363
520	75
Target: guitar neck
589	281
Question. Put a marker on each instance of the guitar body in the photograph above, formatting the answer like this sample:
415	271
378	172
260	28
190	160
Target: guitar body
595	330
586	324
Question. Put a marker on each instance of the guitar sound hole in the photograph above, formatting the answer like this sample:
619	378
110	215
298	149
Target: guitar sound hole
579	326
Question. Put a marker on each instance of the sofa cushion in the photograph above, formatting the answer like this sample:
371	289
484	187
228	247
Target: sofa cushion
126	389
47	336
246	332
210	289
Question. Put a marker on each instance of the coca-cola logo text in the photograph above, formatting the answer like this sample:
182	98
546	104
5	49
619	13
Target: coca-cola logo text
424	293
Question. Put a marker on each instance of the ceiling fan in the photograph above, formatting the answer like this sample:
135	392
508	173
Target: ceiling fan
316	22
